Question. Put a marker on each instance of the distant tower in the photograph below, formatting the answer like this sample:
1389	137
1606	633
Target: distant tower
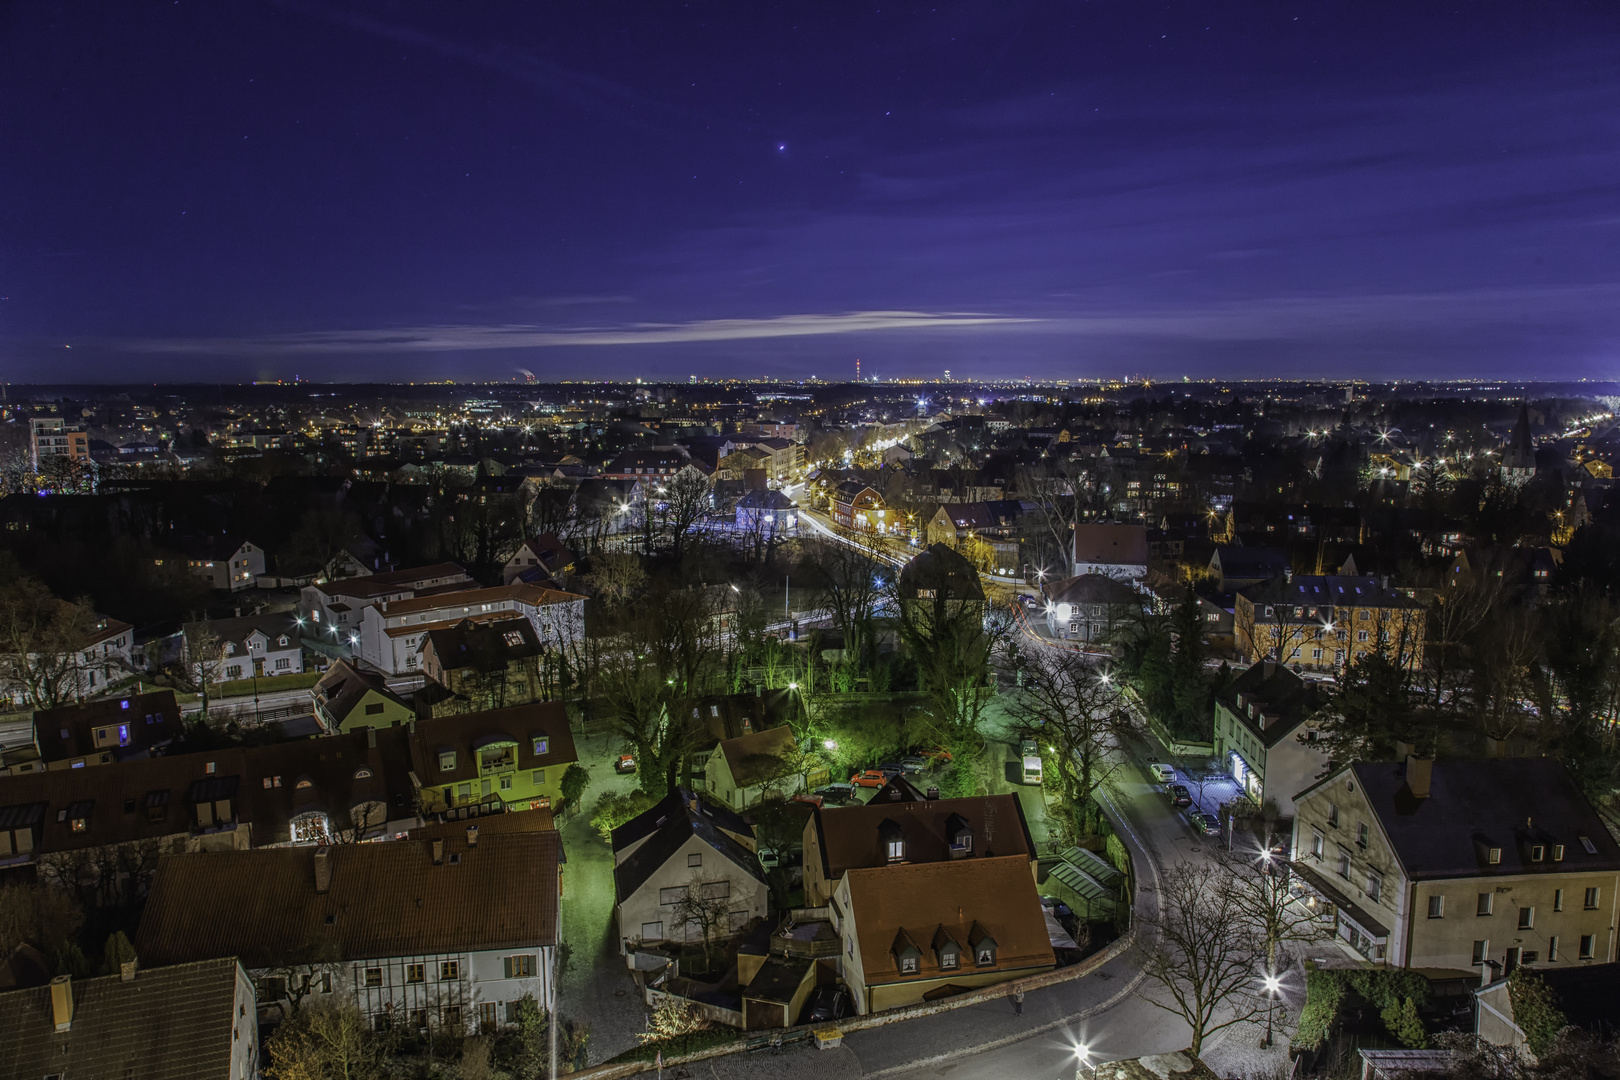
1519	456
857	369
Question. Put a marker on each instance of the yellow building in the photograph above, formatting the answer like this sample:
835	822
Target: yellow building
510	758
1325	622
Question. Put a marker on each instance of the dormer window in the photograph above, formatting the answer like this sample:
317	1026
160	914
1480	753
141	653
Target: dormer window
1537	852
892	840
447	761
513	638
283	641
984	946
230	648
1558	853
960	835
542	744
907	957
947	951
1494	856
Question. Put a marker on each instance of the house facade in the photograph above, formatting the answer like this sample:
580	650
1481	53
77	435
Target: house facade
251	647
913	932
476	666
1325	622
858	506
391	633
740	772
407	956
332	610
1089	608
1459	864
222	563
103	732
1112	550
511	758
1264	737
348	699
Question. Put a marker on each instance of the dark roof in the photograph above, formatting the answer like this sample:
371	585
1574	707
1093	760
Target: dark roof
757	757
763	499
483	647
466	733
1111	545
945	571
1586	995
849	834
208	548
672	826
674	804
237	631
69	731
1092	589
172	1023
344	685
1506	803
1275	692
384	900
1250	562
1328	590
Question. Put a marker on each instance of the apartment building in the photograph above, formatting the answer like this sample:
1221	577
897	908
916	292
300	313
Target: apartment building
1324	622
52	438
391	632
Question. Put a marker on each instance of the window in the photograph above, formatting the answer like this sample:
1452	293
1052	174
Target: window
1537	852
374	708
447	761
1484	906
652	931
373	977
1437	907
1558	899
418	1019
1588	942
1344	863
1316	654
1375	884
452	1016
486	1016
449	970
326	982
986	956
1493	856
695	859
1558	853
520	967
948	959
908	965
415	973
283	662
1481	948
506	783
542	745
1361	635
1591	901
539	776
715	890
1361	833
1586	842
1362	616
1527	918
672	896
1552	949
1316	843
514	638
234	671
1333	815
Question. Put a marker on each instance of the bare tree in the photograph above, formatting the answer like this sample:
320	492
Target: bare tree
682	501
1265	898
205	658
849	582
1203	949
42	640
1067	706
704	912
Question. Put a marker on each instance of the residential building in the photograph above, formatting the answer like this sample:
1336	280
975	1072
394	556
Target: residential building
1089	608
1458	864
1324	623
53	440
391	633
248	647
1112	550
221	562
857	506
741	772
916	932
332	609
896	827
767	512
194	1021
442	934
538	560
684	848
102	732
503	758
105	656
1239	567
348	699
476	666
656	464
1264	734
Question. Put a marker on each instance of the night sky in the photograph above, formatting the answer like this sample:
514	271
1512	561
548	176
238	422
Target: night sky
224	190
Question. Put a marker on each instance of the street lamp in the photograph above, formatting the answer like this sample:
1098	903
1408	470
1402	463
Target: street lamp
1082	1056
1273	984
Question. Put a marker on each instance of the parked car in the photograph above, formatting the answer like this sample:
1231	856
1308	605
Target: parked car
872	778
826	1003
1030	755
836	793
625	764
913	764
809	797
1206	823
1029	602
1161	773
938	755
1179	795
892	769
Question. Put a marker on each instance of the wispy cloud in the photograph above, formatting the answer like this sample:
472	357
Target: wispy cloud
461	338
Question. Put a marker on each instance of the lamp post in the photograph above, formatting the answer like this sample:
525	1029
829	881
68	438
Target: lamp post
1273	984
1082	1055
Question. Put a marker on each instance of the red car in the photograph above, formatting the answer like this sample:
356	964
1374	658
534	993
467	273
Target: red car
813	800
869	778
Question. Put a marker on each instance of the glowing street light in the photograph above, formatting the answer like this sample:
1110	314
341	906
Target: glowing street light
1272	985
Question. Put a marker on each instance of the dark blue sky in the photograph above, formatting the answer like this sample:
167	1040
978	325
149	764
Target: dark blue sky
227	190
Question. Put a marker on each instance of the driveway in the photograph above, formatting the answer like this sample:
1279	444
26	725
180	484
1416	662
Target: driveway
597	987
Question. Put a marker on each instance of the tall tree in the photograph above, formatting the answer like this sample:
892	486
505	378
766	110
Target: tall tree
41	643
1067	705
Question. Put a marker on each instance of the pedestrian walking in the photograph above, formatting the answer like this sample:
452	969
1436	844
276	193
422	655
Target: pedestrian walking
1018	1003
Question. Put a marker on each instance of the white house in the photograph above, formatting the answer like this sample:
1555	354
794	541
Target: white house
253	646
1089	608
223	563
107	656
767	512
1265	734
408	955
391	633
331	610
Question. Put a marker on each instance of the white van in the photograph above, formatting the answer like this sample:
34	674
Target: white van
1031	754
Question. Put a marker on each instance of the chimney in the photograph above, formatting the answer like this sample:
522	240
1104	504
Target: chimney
472	836
933	793
1418	771
371	738
126	971
1268	668
62	1002
323	869
1288	575
438	853
1404	750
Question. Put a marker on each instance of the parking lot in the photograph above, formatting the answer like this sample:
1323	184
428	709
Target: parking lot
1207	788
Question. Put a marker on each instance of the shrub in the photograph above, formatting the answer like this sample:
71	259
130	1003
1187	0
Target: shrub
1324	995
1535	1010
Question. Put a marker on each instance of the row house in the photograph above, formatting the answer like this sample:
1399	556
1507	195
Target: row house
247	647
657	464
101	732
1326	622
391	633
1090	608
333	609
1492	864
313	921
487	762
